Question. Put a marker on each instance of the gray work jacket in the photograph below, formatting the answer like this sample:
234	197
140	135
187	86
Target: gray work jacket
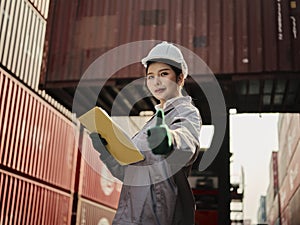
156	190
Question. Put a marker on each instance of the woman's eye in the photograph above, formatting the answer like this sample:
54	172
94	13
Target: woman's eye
164	74
149	77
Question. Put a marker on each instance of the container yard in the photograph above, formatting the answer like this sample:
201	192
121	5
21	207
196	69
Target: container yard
49	171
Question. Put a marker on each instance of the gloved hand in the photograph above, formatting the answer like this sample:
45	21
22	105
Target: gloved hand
99	144
159	137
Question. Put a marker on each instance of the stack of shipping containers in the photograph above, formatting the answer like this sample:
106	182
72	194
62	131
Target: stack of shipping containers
283	196
37	157
40	159
38	141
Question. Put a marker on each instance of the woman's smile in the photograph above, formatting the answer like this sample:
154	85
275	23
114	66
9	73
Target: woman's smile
159	90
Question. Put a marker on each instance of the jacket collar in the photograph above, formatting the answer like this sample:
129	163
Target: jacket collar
173	102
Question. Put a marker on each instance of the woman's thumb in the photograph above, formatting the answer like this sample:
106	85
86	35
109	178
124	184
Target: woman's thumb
160	117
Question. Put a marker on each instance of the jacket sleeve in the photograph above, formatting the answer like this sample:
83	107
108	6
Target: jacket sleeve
185	128
116	169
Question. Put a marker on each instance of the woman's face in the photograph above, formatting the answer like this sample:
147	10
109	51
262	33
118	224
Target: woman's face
162	82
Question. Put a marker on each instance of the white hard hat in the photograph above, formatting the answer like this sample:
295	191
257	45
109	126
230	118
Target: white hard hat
169	52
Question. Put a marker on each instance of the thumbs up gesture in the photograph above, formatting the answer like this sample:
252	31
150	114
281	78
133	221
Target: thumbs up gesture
159	137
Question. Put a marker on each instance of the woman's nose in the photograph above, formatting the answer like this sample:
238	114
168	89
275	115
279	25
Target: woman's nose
157	80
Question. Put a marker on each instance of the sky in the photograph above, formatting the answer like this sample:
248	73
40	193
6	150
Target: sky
253	137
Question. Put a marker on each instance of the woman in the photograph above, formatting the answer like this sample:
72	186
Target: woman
156	190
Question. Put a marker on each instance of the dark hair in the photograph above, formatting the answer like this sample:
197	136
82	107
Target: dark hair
176	67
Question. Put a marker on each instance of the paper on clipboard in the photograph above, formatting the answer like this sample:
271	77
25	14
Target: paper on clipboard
119	144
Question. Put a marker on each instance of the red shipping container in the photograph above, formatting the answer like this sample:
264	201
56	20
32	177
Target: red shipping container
36	139
282	164
293	135
92	213
286	216
289	136
283	128
207	217
275	171
293	174
273	185
23	201
230	36
295	208
285	193
96	182
42	6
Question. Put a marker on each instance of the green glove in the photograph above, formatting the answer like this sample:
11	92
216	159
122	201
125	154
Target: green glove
159	137
99	144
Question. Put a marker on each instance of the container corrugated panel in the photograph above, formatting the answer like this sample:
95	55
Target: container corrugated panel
293	135
96	182
282	165
286	216
272	216
288	138
92	213
285	193
35	138
23	201
23	27
283	127
295	208
22	35
42	6
231	36
293	174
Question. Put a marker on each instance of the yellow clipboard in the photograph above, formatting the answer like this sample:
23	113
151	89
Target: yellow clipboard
119	144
